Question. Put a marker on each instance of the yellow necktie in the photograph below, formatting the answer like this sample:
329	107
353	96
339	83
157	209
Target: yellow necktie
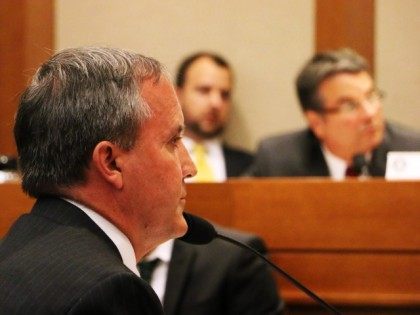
204	171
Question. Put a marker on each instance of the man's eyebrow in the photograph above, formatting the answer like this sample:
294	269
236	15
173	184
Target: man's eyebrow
180	130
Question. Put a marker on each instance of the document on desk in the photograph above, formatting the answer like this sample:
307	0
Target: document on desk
403	166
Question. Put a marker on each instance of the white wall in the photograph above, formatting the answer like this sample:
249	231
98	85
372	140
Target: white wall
266	41
398	58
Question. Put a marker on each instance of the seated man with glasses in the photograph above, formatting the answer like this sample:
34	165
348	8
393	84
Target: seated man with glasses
345	118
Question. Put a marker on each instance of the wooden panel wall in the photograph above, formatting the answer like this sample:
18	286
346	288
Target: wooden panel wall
355	243
346	23
26	37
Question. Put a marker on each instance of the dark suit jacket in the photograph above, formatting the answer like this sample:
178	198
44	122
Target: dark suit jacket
220	279
237	161
299	153
56	260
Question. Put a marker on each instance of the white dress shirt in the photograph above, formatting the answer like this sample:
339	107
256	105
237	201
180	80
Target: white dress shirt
215	157
121	241
336	165
160	274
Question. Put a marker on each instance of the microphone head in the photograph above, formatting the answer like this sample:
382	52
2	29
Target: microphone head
199	230
359	162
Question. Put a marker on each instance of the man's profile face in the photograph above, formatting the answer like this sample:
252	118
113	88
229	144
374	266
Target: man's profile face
205	98
158	165
352	121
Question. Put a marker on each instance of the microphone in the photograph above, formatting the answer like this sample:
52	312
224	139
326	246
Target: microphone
201	232
360	165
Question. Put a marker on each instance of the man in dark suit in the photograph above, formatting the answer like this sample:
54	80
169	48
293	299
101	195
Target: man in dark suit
344	112
217	278
204	86
98	136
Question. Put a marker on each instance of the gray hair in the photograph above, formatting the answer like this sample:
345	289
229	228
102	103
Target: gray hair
77	98
322	66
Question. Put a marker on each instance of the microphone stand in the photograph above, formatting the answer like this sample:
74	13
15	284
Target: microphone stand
296	283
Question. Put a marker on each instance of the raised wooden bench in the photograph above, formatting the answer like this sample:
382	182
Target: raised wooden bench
355	243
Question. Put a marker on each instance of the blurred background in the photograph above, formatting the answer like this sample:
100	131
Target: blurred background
266	42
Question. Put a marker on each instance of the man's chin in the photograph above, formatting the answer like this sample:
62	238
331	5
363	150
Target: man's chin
181	228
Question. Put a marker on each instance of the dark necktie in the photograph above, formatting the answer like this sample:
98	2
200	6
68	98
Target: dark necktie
352	172
359	166
146	268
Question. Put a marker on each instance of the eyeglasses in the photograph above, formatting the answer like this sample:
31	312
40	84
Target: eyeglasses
348	106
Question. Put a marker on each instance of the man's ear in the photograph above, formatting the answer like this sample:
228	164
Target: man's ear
316	123
105	159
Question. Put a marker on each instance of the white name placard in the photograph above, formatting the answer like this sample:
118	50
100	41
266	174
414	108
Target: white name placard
403	166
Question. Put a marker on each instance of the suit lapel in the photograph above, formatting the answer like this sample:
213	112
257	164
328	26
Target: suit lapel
317	166
228	162
236	161
377	165
180	266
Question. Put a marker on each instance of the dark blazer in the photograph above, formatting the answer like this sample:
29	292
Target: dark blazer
299	153
56	260
220	279
237	161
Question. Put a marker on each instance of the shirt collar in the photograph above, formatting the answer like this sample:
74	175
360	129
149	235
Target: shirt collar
336	166
163	252
120	240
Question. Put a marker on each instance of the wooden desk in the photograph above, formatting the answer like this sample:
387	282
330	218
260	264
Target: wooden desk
13	203
355	243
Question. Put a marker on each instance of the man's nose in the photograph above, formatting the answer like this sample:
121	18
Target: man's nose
369	108
216	99
187	164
